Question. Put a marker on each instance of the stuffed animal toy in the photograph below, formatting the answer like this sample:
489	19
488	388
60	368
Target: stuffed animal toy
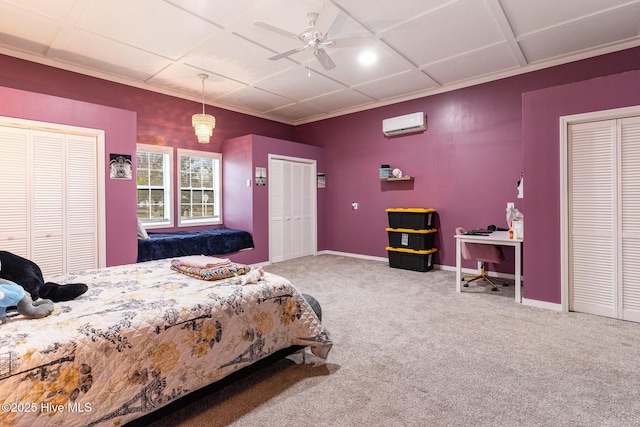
253	276
27	274
12	294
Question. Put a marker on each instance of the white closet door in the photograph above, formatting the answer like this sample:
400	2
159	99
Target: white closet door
308	227
82	203
49	209
592	224
292	209
48	201
630	217
297	201
14	199
276	214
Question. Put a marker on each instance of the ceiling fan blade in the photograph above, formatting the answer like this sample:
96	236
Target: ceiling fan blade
324	59
276	30
352	42
287	53
325	19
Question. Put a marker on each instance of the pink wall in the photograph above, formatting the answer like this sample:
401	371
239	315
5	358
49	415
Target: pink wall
541	112
120	137
250	205
466	165
153	119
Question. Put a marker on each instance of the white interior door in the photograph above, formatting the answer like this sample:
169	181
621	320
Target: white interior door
592	218
604	217
14	190
629	131
292	208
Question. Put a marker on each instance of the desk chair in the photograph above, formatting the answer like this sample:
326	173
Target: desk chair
483	254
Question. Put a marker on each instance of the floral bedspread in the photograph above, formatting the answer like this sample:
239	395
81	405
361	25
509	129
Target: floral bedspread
142	336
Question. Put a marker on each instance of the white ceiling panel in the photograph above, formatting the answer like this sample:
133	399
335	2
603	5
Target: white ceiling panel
81	47
220	55
397	86
56	10
253	99
423	46
388	14
25	30
152	25
337	101
220	12
299	84
579	35
296	112
530	16
351	71
486	61
180	77
461	27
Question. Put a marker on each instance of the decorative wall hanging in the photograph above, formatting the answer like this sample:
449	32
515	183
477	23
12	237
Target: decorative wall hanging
120	166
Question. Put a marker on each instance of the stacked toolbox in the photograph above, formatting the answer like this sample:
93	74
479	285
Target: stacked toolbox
411	238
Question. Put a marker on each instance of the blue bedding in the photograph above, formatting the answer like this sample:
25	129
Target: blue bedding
214	241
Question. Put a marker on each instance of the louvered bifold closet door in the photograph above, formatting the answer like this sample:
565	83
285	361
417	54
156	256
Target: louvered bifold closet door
276	213
308	210
592	232
630	217
297	206
48	200
14	199
82	203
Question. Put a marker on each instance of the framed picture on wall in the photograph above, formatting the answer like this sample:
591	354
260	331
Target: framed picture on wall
120	166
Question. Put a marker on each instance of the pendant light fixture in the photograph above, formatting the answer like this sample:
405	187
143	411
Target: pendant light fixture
203	123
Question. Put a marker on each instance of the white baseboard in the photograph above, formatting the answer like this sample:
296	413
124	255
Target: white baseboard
542	304
349	254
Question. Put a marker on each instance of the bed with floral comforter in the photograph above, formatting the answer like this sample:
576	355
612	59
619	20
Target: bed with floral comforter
141	337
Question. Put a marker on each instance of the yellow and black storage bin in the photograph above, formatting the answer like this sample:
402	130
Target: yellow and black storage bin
412	218
411	259
411	238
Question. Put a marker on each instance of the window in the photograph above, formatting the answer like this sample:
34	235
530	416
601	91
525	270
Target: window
154	180
200	187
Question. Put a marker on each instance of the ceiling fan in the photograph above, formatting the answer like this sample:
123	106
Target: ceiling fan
315	36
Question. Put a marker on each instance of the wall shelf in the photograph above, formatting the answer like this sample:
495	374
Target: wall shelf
402	178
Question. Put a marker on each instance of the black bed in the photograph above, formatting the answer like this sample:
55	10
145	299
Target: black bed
214	241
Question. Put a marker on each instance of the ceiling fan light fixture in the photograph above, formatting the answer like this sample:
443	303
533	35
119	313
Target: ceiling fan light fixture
203	123
368	57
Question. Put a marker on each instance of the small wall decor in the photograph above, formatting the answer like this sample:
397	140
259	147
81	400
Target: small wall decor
321	180
120	166
521	186
261	176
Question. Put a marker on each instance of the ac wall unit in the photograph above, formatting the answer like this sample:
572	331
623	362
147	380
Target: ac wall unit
409	123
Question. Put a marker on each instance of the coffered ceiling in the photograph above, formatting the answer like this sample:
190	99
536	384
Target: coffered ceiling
419	47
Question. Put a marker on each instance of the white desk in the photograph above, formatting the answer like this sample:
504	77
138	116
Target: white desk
496	238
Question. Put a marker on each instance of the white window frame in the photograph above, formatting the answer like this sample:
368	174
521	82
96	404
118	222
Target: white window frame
217	188
167	186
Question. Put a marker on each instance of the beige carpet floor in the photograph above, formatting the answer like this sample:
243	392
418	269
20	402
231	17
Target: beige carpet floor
410	351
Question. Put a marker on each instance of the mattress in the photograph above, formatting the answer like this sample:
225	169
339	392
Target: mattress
142	336
214	241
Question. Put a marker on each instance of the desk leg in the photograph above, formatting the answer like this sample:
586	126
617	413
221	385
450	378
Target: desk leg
518	272
458	264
